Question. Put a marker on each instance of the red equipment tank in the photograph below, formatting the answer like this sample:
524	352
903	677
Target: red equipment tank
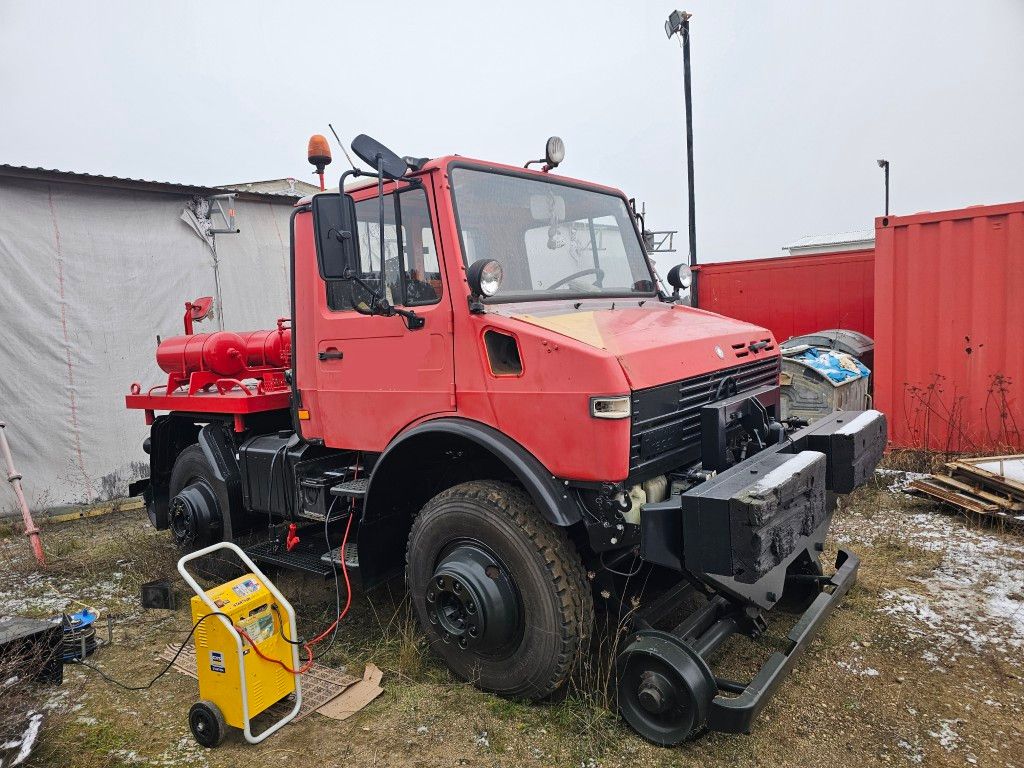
202	360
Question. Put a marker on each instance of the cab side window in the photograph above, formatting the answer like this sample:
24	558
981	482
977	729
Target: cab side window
412	273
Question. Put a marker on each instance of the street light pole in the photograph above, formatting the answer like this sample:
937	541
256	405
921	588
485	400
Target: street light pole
678	23
884	165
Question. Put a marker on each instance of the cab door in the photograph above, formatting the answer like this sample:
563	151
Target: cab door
375	375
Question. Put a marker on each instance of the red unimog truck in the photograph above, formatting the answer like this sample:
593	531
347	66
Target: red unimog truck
484	383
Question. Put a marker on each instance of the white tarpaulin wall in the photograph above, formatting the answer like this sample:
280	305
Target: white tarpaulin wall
89	276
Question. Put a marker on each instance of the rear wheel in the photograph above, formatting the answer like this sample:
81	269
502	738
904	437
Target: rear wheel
207	724
501	595
195	513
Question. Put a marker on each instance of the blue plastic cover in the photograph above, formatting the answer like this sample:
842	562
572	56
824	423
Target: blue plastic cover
838	366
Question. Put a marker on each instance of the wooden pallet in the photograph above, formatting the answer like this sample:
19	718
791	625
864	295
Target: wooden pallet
989	485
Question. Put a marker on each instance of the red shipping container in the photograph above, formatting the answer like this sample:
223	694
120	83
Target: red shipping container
949	321
794	295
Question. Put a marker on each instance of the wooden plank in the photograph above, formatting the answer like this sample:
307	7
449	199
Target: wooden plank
974	490
957	499
97	511
993	481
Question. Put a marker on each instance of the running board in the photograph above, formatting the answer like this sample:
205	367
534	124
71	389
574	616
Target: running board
306	556
353	489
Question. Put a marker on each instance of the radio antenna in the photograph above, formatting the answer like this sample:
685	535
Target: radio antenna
345	151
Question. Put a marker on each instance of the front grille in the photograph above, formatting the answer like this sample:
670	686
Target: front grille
665	429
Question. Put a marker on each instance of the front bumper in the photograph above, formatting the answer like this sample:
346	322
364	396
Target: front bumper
741	531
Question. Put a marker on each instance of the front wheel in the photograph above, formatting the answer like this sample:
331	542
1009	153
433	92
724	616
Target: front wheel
501	594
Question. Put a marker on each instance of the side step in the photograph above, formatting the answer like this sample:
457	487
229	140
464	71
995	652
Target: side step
353	489
351	557
306	556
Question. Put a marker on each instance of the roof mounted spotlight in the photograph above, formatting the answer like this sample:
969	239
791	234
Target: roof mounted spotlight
554	154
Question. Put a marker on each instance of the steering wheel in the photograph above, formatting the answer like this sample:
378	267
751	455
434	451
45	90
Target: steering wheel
574	275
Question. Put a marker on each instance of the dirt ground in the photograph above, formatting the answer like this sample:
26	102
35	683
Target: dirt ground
922	664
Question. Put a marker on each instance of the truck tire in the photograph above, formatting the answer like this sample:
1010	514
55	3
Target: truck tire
501	594
198	500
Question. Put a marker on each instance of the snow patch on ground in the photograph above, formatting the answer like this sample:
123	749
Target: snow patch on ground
42	594
974	597
898	479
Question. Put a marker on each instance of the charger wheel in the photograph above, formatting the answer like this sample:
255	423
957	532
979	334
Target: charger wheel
500	593
664	687
207	724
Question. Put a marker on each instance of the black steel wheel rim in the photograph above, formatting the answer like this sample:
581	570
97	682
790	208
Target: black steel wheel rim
664	688
191	513
472	601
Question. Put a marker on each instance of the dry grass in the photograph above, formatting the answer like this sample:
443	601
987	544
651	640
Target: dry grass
831	711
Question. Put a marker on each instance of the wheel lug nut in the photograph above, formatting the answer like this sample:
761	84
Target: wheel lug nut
463	643
473	631
457	586
430	596
440	582
471	607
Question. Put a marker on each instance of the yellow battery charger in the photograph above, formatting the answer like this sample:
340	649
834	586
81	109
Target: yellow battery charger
235	683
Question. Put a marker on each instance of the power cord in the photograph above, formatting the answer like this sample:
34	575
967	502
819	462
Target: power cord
163	671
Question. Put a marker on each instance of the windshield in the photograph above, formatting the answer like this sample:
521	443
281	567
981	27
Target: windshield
552	240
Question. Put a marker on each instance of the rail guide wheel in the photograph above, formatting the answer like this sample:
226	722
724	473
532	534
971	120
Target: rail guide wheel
664	687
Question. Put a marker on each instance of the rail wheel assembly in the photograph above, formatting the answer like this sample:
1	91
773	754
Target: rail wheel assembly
665	688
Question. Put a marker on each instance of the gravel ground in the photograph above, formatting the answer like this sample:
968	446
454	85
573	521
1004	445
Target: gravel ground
923	664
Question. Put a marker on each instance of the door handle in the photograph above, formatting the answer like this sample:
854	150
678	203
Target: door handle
331	354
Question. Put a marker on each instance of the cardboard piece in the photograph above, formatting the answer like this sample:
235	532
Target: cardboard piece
355	697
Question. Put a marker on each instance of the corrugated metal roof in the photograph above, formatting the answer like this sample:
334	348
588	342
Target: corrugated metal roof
854	240
119	182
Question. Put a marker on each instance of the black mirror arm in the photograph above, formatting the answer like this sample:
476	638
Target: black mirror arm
412	321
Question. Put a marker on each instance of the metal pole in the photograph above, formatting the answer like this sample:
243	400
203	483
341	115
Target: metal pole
884	165
15	480
679	23
886	187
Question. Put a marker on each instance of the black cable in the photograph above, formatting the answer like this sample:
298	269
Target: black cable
162	672
629	575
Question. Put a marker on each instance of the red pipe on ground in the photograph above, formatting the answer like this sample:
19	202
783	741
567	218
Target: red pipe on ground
15	480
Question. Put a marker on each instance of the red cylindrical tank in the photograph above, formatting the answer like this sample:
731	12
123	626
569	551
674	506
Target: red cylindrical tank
268	348
222	353
225	353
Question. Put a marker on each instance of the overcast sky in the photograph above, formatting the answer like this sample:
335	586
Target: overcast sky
793	101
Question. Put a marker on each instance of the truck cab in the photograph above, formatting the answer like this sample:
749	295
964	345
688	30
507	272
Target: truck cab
484	383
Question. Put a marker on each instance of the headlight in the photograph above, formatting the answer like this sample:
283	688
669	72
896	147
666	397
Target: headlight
680	277
610	407
484	276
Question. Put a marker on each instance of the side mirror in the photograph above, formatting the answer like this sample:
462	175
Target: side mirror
377	156
337	243
680	278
